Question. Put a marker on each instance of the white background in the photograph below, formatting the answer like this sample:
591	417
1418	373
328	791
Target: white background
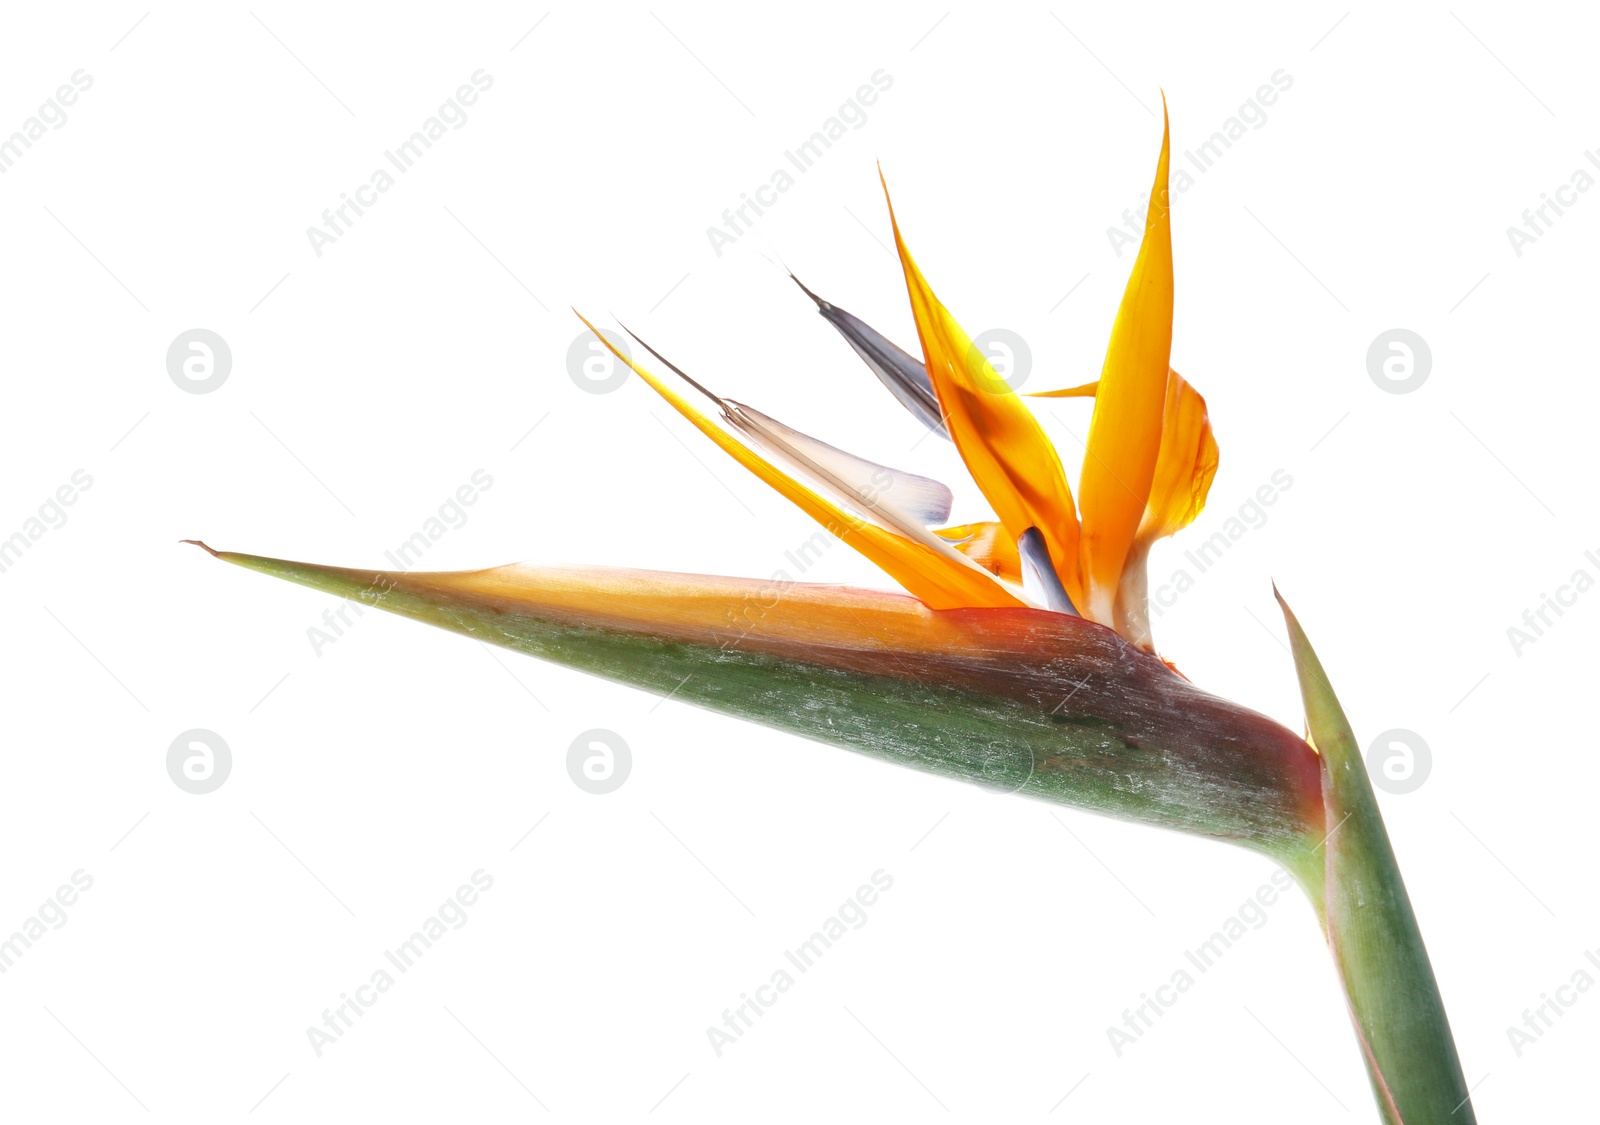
368	383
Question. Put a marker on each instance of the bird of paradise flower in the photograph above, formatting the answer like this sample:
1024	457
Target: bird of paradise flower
1022	658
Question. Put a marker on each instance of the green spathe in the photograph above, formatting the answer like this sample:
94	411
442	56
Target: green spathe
1372	932
1070	713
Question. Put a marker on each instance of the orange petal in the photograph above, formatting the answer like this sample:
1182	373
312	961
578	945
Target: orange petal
1184	468
938	582
1082	390
988	545
1004	448
1125	432
1185	465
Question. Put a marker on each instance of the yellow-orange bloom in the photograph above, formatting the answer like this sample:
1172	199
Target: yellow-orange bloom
1148	463
1016	660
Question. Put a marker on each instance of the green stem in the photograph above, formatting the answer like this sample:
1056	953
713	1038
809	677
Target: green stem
1371	929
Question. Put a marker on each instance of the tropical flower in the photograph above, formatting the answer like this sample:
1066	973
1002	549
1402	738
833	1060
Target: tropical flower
1022	658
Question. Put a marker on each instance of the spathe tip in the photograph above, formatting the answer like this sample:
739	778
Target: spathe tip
775	260
674	368
821	304
203	546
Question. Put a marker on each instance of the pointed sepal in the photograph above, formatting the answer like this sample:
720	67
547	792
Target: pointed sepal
1371	929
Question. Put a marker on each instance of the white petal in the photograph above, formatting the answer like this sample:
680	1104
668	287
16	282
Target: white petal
869	485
